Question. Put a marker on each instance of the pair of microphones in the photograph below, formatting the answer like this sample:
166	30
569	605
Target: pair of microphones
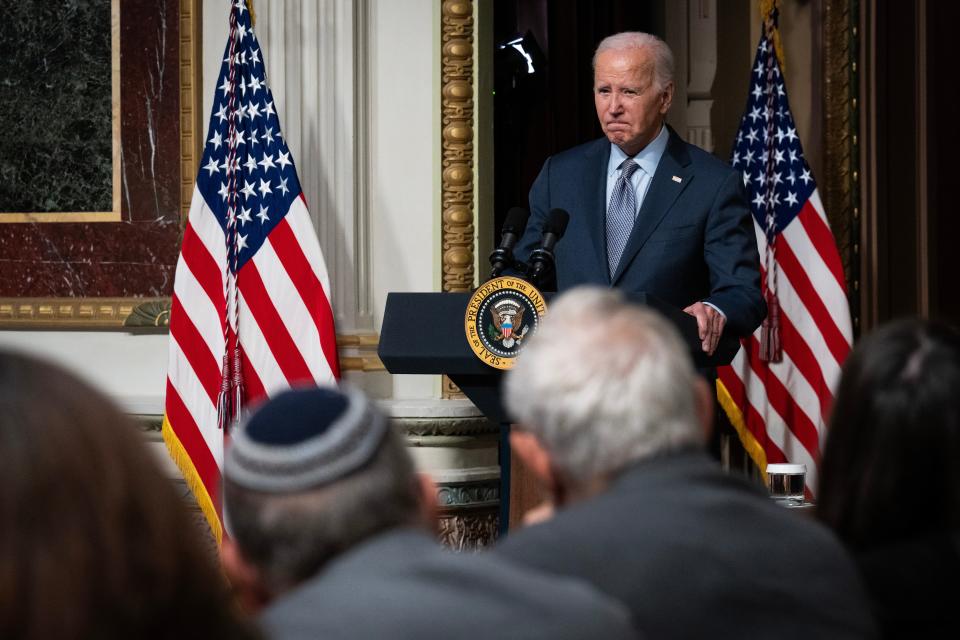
541	263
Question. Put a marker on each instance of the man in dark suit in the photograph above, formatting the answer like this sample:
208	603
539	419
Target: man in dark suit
649	212
612	417
330	533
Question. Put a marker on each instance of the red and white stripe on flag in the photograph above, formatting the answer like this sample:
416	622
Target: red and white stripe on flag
780	409
282	324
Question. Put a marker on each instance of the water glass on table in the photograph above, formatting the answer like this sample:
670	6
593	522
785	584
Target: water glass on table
785	483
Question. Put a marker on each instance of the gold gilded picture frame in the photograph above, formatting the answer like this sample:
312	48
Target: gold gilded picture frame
135	312
92	216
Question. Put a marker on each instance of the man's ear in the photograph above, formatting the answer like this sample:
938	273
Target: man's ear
667	98
527	447
704	394
245	578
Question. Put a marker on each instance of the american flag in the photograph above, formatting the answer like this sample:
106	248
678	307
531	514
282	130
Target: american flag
779	408
250	312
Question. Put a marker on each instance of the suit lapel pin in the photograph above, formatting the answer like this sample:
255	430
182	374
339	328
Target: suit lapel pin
677	179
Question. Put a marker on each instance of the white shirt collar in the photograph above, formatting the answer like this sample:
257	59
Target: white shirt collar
648	158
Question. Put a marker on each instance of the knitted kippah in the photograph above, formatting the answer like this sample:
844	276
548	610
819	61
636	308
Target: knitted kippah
303	439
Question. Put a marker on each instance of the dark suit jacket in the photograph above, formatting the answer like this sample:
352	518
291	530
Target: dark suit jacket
693	238
401	585
696	553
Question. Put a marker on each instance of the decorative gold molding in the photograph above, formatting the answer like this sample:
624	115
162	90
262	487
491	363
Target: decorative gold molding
457	198
359	340
61	216
75	313
841	182
358	351
457	144
191	103
366	364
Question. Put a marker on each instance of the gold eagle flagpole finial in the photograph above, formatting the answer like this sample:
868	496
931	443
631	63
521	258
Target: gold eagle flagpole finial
770	15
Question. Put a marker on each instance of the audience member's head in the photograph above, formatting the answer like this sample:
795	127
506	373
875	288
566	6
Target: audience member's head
604	383
94	540
889	467
312	473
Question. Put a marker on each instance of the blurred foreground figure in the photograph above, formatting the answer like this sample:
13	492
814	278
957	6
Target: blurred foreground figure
330	527
891	474
94	541
613	419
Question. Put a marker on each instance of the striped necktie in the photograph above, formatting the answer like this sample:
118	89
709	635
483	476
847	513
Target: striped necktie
621	214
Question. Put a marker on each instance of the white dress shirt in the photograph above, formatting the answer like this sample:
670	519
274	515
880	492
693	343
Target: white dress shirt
648	159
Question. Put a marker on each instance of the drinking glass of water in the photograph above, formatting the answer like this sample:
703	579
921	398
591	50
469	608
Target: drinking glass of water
785	483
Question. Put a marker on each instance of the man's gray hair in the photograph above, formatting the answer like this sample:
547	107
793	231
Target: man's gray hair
604	383
662	56
290	535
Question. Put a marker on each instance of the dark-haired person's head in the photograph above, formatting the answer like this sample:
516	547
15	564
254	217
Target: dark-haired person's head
313	473
94	540
889	468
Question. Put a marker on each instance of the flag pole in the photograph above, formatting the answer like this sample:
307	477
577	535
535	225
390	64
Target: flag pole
771	349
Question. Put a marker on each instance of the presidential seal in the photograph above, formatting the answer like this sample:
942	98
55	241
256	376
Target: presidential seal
501	314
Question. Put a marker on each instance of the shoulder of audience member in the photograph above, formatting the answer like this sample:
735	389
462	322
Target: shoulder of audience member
577	604
456	592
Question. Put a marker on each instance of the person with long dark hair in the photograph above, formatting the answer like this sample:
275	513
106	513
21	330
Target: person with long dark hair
94	540
890	474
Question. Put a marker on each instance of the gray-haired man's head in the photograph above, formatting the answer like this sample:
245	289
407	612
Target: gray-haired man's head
632	88
312	473
605	383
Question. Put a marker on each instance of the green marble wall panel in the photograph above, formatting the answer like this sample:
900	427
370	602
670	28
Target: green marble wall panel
55	106
132	249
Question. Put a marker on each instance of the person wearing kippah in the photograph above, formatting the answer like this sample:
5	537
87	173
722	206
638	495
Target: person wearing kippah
331	536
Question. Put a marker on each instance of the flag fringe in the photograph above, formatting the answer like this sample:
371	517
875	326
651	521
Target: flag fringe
182	459
747	439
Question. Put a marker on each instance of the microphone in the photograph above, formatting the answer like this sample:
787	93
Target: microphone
502	257
541	260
